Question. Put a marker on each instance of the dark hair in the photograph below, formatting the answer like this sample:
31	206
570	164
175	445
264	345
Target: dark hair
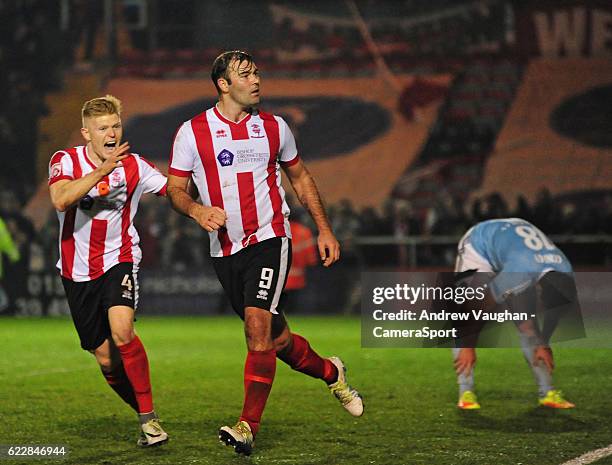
221	63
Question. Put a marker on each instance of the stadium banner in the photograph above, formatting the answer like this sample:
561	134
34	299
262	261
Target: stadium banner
40	294
32	286
570	28
160	293
36	291
427	309
180	293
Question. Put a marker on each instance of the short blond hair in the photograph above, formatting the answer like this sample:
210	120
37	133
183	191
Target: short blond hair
99	106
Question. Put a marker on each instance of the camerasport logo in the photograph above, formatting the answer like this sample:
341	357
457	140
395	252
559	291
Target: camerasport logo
56	170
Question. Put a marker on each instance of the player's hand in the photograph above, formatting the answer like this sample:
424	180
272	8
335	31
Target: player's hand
465	361
329	248
543	354
209	218
114	160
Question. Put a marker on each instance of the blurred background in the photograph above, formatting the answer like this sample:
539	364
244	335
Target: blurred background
417	119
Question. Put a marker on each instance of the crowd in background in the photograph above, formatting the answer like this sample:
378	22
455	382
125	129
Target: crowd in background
173	242
19	246
164	234
32	52
401	29
317	38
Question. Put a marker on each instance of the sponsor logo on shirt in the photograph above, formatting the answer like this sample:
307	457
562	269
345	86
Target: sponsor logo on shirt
250	156
548	258
225	157
220	133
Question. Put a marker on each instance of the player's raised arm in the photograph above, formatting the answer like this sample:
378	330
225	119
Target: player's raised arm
308	194
209	218
65	193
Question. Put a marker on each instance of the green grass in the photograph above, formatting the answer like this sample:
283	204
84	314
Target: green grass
52	393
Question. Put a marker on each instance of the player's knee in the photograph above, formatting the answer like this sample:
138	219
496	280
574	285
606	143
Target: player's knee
104	356
280	346
259	342
106	365
124	336
281	343
258	329
105	361
258	339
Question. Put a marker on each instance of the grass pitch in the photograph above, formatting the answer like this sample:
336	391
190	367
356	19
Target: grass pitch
51	392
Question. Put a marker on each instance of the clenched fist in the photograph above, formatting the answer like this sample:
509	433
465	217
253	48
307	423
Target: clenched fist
209	218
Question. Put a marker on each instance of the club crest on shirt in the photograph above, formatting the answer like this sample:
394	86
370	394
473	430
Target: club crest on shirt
256	131
225	157
116	180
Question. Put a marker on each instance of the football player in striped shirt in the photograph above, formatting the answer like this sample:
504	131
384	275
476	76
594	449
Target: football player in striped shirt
95	189
234	153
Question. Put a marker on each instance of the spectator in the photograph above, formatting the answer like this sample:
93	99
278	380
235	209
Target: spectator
303	255
10	250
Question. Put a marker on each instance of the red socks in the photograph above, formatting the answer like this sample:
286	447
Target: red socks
118	380
136	367
260	368
300	356
259	371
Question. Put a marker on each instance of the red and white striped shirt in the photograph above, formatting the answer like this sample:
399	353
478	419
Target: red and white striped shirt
236	167
98	232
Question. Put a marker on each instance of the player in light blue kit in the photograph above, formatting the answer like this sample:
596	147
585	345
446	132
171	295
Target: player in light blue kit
518	258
